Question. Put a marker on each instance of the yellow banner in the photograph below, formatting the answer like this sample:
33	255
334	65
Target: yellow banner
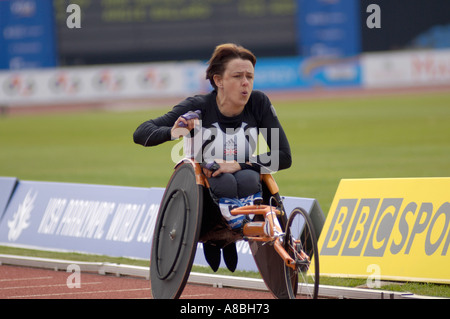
395	229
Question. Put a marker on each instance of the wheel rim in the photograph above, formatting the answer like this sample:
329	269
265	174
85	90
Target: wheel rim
171	234
300	241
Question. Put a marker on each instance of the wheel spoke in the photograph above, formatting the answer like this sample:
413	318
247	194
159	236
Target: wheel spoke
301	245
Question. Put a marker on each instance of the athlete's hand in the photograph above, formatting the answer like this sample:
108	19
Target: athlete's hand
185	123
225	167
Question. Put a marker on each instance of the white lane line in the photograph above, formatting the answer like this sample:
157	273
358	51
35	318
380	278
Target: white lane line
198	295
19	279
79	293
47	286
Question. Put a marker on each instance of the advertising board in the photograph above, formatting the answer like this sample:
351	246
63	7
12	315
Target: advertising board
406	69
28	38
97	219
81	84
329	28
400	227
296	73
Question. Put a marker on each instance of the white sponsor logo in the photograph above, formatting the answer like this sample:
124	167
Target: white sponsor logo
20	220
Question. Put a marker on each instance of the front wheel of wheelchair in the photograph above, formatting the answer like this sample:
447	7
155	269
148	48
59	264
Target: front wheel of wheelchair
175	238
301	244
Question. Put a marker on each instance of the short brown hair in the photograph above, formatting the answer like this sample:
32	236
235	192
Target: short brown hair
223	54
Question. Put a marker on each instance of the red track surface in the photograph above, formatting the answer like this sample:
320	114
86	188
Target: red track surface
32	283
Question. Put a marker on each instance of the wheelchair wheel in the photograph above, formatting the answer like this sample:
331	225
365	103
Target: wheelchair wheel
301	243
176	234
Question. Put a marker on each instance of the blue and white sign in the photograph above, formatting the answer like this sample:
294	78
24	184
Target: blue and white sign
97	219
307	73
107	220
27	34
329	28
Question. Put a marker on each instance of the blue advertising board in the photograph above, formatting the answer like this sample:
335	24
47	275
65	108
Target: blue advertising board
27	34
292	73
97	219
329	27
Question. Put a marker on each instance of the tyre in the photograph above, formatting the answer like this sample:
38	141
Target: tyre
301	244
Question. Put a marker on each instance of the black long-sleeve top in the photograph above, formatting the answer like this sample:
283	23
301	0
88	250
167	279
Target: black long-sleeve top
227	138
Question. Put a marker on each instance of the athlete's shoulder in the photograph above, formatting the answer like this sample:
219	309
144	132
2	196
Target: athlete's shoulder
260	102
199	101
259	97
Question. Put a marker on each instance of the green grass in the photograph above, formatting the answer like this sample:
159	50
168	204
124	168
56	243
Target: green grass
331	139
90	147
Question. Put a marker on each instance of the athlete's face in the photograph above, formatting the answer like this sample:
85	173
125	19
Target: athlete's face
236	83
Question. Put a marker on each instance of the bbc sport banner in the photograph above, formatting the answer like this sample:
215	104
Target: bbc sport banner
392	229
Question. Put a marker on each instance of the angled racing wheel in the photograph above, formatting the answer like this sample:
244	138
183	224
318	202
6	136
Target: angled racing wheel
176	234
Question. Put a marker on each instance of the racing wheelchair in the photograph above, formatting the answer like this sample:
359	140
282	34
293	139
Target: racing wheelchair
288	262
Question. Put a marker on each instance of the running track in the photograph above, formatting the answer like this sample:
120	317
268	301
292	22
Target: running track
31	283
